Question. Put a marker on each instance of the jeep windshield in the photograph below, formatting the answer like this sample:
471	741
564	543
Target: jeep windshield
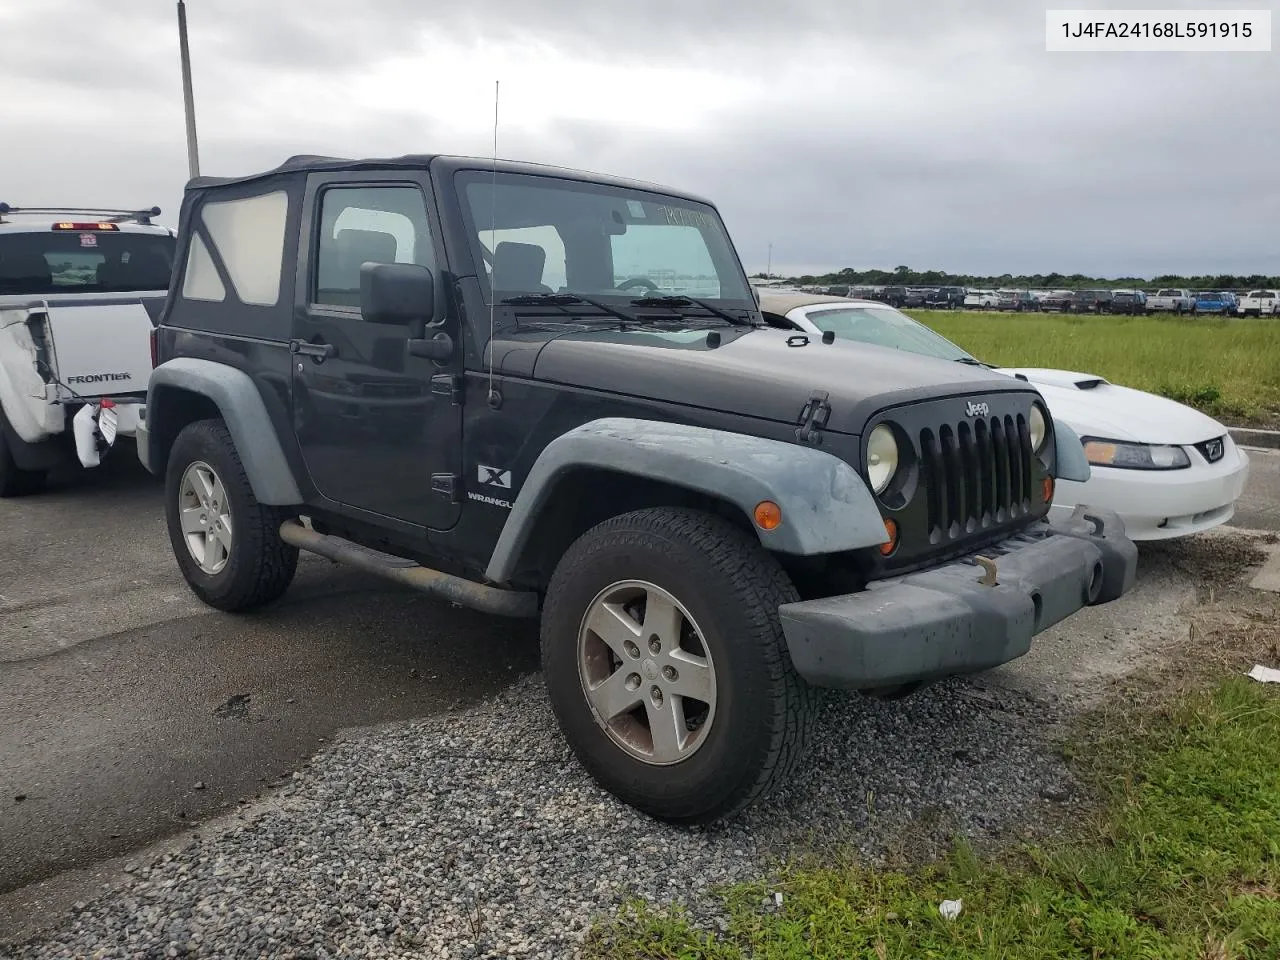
609	246
886	327
50	262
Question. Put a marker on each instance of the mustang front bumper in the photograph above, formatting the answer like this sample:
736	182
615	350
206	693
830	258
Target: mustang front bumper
947	620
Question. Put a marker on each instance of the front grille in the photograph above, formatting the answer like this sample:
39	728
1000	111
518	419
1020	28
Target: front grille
976	474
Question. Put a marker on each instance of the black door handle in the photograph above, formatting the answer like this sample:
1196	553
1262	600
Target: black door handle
318	351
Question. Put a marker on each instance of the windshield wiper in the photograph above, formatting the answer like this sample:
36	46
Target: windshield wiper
561	299
684	301
974	363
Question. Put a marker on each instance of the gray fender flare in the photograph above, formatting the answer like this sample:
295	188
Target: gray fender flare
1069	454
826	506
245	413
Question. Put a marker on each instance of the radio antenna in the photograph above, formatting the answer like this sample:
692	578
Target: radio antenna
493	237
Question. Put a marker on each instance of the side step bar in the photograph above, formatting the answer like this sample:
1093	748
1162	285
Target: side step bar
476	596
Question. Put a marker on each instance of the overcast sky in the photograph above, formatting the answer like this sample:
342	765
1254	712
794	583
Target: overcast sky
936	134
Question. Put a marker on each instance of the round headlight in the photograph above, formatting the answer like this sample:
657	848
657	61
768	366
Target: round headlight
882	457
1038	430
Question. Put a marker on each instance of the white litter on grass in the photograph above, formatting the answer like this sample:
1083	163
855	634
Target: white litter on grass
950	909
1264	674
777	898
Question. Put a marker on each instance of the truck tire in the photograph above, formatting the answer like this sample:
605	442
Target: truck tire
659	601
227	544
14	481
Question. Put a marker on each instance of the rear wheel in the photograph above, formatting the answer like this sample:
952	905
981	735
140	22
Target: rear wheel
227	544
14	481
666	664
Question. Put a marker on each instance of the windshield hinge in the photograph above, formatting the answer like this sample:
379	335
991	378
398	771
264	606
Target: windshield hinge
813	417
447	385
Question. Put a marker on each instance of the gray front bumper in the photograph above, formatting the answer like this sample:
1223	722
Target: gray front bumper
946	621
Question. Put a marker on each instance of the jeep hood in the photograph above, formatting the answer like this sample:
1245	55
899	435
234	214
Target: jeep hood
754	373
1092	406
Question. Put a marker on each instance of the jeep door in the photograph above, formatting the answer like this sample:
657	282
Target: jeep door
375	437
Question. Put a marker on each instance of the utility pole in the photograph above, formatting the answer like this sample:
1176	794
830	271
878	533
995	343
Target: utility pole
193	151
768	270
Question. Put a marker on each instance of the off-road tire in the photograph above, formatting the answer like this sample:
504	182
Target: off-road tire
732	588
260	565
14	481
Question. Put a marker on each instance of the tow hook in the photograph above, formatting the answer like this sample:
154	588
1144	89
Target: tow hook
989	566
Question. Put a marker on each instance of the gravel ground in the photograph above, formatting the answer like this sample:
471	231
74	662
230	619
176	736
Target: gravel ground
475	834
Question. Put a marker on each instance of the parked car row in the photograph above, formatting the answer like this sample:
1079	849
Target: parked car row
1254	303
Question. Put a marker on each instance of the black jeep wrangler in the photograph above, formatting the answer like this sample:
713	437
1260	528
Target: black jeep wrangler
550	394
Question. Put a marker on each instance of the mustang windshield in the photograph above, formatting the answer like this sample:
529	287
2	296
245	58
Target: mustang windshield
596	241
885	328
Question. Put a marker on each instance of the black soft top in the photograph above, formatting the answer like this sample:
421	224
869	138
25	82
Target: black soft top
305	163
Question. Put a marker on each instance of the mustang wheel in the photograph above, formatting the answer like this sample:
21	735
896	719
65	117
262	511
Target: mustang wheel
227	544
666	664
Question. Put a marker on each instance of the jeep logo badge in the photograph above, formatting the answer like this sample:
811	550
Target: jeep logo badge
972	409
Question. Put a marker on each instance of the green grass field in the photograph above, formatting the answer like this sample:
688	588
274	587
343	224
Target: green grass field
1228	368
1183	865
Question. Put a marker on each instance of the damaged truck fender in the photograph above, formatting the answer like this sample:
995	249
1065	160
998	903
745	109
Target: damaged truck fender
22	390
237	398
825	506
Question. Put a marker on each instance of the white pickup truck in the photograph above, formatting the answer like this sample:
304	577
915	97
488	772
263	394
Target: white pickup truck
1259	303
80	290
1171	300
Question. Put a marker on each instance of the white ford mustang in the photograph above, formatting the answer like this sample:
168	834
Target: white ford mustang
1167	469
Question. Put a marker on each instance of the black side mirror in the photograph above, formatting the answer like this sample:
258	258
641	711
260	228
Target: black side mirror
403	293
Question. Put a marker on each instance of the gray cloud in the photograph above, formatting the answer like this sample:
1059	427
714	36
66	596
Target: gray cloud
933	134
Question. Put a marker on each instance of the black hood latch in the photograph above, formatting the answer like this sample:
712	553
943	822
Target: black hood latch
813	417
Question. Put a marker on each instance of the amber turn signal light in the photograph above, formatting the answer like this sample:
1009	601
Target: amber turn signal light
1047	488
891	529
768	515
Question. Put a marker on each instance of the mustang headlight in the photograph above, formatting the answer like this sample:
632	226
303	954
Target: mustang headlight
1134	456
1038	431
882	457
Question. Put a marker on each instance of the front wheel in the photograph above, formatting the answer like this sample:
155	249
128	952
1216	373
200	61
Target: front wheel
666	665
227	544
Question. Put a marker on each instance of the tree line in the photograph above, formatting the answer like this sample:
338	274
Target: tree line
905	276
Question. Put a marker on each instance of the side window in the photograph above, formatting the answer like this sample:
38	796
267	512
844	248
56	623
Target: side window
249	236
361	225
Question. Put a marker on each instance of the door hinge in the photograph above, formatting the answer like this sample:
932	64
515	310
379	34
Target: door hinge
448	385
446	485
813	417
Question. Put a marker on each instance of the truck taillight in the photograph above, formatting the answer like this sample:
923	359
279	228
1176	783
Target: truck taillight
153	346
68	225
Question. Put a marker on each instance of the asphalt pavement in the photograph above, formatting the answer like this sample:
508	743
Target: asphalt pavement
1259	507
131	712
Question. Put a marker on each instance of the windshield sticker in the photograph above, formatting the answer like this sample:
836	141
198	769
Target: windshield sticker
88	240
684	217
636	208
